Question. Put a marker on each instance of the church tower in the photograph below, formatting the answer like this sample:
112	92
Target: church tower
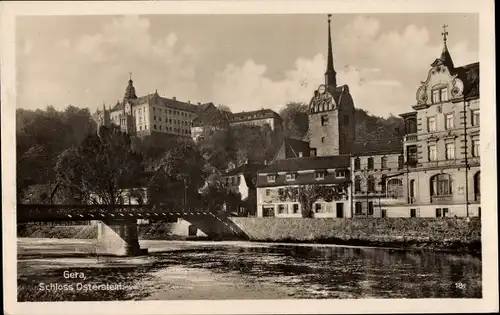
126	117
331	113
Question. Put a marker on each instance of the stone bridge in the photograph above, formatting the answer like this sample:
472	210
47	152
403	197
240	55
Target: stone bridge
117	224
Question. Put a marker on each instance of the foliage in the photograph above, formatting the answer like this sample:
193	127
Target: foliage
371	128
215	194
101	168
295	119
307	195
178	174
224	108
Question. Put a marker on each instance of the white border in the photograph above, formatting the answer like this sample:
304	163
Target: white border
485	8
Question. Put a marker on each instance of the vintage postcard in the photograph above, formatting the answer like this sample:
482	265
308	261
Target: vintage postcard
248	157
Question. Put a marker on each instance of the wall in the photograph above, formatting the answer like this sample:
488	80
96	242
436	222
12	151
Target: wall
330	131
388	231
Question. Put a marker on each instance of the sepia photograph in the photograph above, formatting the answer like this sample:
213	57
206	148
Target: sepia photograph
312	156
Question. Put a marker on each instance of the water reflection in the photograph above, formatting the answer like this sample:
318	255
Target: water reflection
302	271
338	272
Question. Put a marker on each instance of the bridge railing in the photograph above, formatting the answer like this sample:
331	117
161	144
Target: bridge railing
27	212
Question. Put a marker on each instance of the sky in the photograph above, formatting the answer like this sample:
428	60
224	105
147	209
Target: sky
246	62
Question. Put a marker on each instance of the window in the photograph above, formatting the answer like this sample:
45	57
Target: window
371	184
431	124
441	185
317	207
440	95
431	151
291	176
357	184
319	175
346	120
449	121
268	192
383	162
435	96
154	117
358	208
401	161
383	183
477	186
370	163
445	212
323	139
271	178
395	188
438	212
475	147
154	126
357	164
295	208
444	94
450	151
370	208
282	209
475	117
340	173
324	120
413	213
312	152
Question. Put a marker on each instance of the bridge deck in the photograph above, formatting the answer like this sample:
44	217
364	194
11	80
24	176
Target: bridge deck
46	212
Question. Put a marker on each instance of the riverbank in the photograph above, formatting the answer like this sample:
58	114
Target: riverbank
443	234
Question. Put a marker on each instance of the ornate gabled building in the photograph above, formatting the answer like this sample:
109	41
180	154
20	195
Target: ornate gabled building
442	151
331	114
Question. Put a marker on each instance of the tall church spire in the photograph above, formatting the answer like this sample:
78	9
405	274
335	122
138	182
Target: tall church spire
330	74
130	90
445	55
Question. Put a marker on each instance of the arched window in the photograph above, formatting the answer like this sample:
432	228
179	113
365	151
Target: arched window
441	185
357	163
395	188
371	183
357	184
477	186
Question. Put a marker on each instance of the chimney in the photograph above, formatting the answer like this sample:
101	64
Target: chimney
189	102
174	98
199	103
300	154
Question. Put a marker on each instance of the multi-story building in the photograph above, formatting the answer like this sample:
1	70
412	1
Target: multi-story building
378	175
258	118
442	150
150	115
327	171
209	116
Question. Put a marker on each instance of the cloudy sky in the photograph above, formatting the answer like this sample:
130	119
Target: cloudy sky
243	61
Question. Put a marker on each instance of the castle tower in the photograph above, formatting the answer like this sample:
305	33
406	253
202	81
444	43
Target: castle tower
331	113
102	118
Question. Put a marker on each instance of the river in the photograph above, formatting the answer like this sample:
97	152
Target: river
240	270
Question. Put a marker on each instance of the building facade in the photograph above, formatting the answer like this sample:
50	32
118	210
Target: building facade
149	115
329	171
442	149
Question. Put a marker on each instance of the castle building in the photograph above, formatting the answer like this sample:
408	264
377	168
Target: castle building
260	117
150	115
442	149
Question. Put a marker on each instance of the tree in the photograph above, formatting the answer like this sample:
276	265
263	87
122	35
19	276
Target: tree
224	108
215	194
101	168
295	119
307	195
178	174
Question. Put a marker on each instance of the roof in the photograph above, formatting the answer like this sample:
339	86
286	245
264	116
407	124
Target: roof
469	74
307	163
244	169
382	146
319	99
155	99
254	115
408	114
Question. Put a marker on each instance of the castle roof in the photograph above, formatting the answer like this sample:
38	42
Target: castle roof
254	115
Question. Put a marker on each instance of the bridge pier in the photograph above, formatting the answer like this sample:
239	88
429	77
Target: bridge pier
118	237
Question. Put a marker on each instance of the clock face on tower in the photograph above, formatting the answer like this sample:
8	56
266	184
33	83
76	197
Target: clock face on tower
322	89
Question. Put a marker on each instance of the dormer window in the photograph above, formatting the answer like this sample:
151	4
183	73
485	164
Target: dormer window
291	176
319	175
271	178
340	174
